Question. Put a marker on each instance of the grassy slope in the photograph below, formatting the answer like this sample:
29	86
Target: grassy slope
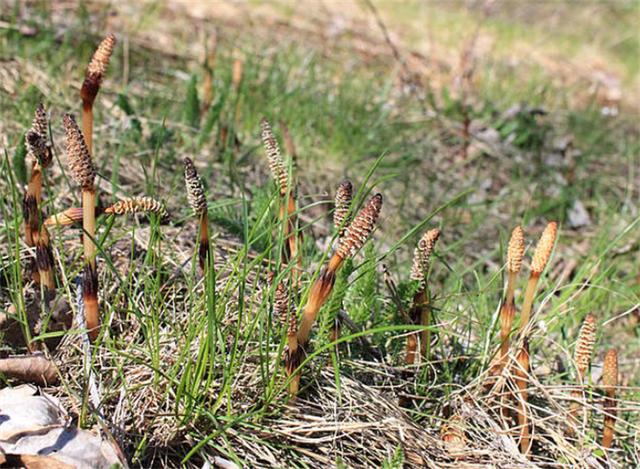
341	120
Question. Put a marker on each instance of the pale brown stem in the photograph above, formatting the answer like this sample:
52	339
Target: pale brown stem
529	296
507	314
511	287
87	125
89	225
609	419
294	384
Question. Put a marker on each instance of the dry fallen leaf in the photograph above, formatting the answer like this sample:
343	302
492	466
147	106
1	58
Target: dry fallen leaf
34	434
30	369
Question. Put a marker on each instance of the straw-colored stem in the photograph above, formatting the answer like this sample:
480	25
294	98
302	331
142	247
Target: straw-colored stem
89	225
529	297
511	287
87	125
609	420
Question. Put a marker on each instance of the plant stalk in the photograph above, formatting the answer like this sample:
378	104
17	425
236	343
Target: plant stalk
90	278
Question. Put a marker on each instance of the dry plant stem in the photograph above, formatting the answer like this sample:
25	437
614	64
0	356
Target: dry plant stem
610	381
522	382
31	369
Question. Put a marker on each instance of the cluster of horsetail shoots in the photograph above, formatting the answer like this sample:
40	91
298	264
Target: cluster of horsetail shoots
287	211
357	234
420	312
36	234
83	173
359	231
515	253
198	202
582	357
610	382
539	261
94	75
